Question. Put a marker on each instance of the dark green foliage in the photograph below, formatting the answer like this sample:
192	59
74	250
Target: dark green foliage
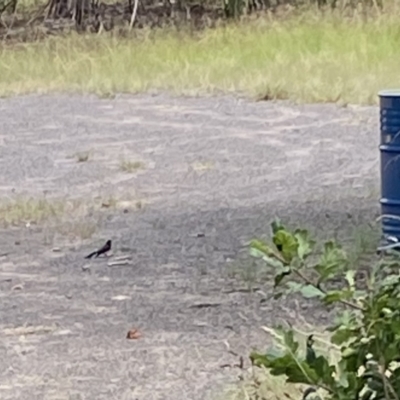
366	328
234	8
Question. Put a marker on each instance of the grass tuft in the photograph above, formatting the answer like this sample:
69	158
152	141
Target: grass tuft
82	156
77	229
130	166
29	211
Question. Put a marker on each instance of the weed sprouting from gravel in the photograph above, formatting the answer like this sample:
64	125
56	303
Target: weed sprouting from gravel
82	156
130	166
29	210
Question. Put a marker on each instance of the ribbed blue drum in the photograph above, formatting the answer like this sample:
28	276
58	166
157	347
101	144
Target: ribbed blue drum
390	160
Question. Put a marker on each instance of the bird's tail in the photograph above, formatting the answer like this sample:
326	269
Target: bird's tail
91	254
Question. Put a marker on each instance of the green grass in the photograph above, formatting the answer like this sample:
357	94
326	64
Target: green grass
305	58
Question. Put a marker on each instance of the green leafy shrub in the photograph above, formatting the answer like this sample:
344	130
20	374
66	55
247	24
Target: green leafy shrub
367	324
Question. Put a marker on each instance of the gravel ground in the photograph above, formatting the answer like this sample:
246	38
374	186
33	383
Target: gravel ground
216	172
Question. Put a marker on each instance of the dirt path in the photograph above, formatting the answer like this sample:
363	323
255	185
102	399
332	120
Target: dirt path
221	167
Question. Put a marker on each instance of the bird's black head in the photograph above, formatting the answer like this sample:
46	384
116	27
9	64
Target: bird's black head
108	243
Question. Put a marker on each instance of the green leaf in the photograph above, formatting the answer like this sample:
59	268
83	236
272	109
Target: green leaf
349	352
343	380
286	244
319	364
390	280
294	287
346	319
360	295
346	327
286	338
305	244
270	261
310	291
260	360
324	371
261	248
299	372
276	226
341	336
332	262
285	271
274	352
274	263
332	297
307	291
295	370
335	296
350	278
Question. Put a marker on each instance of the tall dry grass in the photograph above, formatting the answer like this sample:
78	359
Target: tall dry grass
307	57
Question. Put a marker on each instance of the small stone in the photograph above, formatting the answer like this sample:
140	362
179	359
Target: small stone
115	263
120	297
86	267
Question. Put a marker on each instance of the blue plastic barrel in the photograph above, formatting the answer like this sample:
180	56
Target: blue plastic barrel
390	161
